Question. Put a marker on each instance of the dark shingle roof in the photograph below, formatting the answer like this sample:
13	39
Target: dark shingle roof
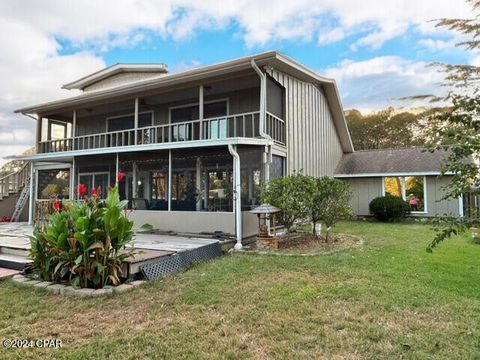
391	161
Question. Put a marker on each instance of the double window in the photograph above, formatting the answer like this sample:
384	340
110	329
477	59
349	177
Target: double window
98	180
216	128
412	189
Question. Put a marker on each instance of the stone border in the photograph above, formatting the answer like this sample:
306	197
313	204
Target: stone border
60	289
359	242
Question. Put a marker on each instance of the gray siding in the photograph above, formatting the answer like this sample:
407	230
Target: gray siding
312	141
435	192
366	189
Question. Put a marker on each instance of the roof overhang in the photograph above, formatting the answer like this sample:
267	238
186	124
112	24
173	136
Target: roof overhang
369	175
69	155
271	58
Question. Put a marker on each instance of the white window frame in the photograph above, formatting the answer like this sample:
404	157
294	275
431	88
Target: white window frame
404	196
130	114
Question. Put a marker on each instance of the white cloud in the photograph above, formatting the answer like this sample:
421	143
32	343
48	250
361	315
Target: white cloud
381	81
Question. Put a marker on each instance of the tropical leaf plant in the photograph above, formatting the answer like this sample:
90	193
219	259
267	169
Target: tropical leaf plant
84	243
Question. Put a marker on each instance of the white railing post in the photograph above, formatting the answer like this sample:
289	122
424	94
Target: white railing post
200	110
74	128
135	120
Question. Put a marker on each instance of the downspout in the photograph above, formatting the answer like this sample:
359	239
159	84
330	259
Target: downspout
237	196
267	154
263	99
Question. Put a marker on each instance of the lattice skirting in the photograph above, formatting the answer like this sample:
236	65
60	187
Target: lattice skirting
182	260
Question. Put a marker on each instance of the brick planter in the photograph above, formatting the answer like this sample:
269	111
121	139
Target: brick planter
60	289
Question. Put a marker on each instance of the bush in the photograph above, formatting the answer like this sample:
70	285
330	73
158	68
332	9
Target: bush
389	208
83	242
289	194
329	201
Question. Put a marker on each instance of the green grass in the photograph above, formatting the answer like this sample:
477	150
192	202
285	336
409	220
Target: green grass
386	299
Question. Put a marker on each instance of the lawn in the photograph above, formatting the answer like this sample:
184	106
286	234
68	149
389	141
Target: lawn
385	299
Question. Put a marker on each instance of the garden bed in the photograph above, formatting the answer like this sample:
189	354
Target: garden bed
308	243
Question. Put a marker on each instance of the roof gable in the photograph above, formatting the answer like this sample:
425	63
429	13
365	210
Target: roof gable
125	72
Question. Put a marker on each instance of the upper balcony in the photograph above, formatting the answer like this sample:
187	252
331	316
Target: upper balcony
245	125
212	111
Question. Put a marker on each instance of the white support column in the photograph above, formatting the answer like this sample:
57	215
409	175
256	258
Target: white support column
198	182
267	159
72	180
237	196
117	169
169	192
134	180
135	121
200	109
31	202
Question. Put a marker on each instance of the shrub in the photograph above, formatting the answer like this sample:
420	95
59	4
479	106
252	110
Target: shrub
329	201
83	242
389	208
290	194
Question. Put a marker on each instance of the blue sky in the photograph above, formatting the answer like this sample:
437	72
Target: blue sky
376	50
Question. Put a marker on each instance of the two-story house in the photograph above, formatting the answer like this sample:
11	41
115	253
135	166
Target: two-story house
195	145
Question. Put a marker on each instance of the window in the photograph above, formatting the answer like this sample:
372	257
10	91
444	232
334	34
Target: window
95	181
412	189
211	110
126	122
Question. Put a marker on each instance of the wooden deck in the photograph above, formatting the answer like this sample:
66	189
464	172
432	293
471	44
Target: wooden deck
15	244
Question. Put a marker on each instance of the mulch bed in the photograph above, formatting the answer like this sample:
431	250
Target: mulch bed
308	243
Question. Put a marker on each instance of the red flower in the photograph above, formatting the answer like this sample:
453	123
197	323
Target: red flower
81	190
57	205
120	176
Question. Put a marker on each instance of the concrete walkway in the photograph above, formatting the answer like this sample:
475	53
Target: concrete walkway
4	273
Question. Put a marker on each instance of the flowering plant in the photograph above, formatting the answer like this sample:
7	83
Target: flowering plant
84	241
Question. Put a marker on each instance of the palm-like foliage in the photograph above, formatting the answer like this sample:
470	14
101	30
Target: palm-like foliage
84	243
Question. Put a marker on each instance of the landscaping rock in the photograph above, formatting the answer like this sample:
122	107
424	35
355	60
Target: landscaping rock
67	290
137	283
56	288
19	279
122	288
102	292
30	282
42	284
83	292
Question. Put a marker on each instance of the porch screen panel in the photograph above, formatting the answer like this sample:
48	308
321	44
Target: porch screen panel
277	167
53	184
202	180
251	175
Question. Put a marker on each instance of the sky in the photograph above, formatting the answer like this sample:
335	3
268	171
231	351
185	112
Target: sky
377	50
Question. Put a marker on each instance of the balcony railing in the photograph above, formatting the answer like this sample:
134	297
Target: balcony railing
231	126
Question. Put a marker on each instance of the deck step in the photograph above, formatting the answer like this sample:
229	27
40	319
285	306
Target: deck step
14	262
19	251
